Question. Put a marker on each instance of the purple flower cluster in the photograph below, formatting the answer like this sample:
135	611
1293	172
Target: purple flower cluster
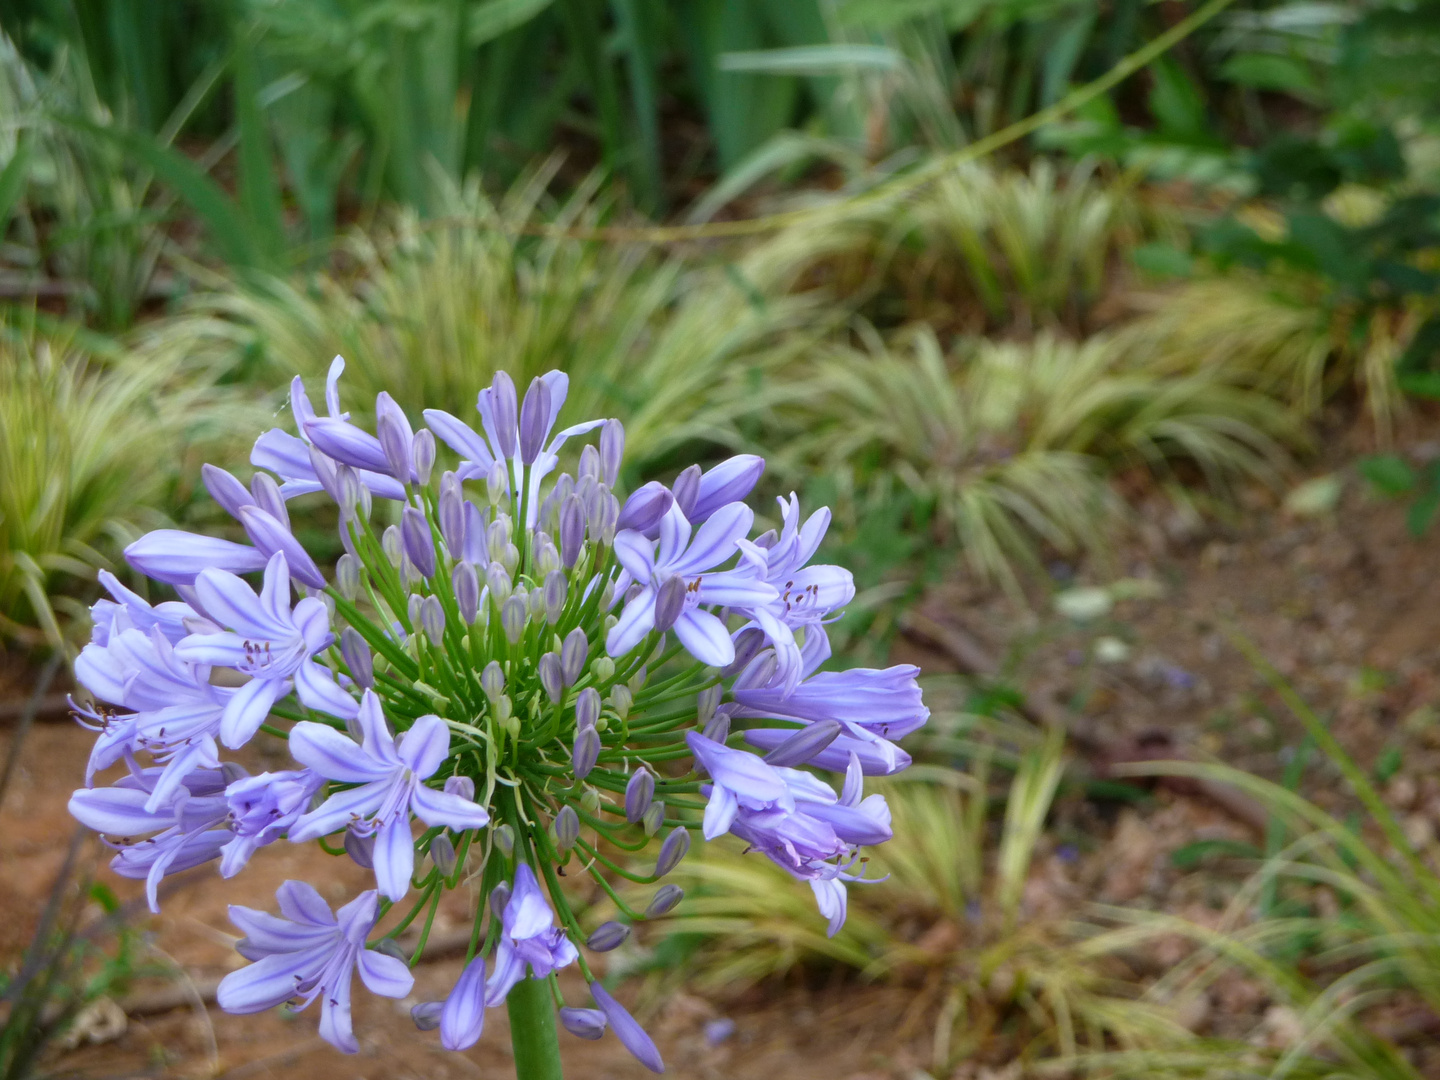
480	690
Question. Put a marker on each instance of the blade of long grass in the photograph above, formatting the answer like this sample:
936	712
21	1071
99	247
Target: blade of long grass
259	190
14	176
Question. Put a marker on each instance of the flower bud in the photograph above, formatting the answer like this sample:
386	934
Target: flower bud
418	541
348	486
654	817
511	724
669	602
442	854
589	462
505	841
550	677
590	800
607	599
492	680
390	544
347	576
412	607
391	947
585	1023
587	707
556	592
497	580
467	591
229	492
748	644
566	828
675	847
686	489
357	658
503	708
717	728
360	848
499	533
620	701
636	682
422	455
534	420
572	530
639	793
500	895
645	507
497	483
476	548
451	512
462	786
586	752
607	523
705	703
512	618
510	558
268	498
804	744
666	897
427	1014
503	412
572	655
547	559
612	450
432	620
607	936
396	438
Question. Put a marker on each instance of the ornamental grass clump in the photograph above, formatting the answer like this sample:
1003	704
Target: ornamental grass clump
538	673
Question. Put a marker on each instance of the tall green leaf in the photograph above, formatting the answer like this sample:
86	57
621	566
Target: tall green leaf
259	190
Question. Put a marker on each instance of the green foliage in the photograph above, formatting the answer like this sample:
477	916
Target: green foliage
90	446
1393	477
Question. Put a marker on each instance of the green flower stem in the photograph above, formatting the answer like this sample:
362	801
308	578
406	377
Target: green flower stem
639	879
532	1031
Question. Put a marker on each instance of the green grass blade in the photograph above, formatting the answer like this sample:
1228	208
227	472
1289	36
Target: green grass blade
14	176
259	190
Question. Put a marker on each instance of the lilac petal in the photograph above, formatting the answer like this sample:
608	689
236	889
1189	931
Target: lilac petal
735	589
645	507
270	535
246	711
268	933
526	913
289	458
425	745
348	444
117	812
674	535
509	970
720	812
631	1035
878	758
461	438
338	811
715	541
214	650
225	489
636	554
854	781
394	857
462	1020
728	482
176	557
388	976
101	673
852	824
831	898
335	1023
635	622
317	689
233	604
267	982
755	784
704	637
356	918
301	902
334	755
442	808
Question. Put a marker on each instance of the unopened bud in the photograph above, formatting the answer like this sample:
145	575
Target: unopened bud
686	489
589	462
547	559
418	542
492	680
572	655
620	701
584	1023
467	591
347	481
442	854
748	644
504	709
412	608
669	602
550	677
654	817
554	595
390	947
804	744
717	728
534	420
636	682
503	413
603	669
390	544
587	707
427	1014
451	512
422	455
612	450
666	897
607	936
572	530
512	618
360	848
500	895
432	620
675	847
357	658
347	576
639	793
590	801
705	703
566	828
498	533
505	841
396	438
586	752
645	507
462	786
266	494
510	558
497	580
497	483
511	726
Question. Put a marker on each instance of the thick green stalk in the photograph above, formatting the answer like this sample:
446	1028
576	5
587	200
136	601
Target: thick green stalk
532	1031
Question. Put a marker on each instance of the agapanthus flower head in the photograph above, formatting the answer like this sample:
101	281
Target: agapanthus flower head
491	684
